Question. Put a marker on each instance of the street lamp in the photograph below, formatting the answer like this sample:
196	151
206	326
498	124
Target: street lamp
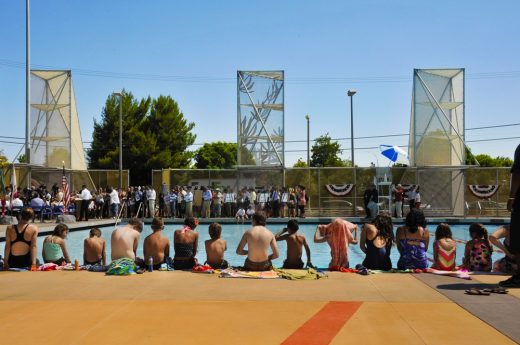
307	117
351	94
120	94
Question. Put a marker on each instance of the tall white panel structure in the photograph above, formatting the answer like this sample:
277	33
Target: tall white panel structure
437	119
260	110
55	133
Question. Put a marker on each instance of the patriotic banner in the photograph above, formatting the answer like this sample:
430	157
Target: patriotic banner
485	191
339	189
66	192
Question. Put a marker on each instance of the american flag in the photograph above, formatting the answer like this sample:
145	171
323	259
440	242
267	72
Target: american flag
66	192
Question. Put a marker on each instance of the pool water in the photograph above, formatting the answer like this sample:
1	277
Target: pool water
232	233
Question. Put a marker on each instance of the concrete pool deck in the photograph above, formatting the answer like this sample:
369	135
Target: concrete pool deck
62	307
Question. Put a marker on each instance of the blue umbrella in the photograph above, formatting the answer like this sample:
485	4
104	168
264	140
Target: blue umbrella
394	153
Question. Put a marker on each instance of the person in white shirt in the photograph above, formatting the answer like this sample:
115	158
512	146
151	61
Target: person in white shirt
114	202
250	211
150	197
240	216
188	199
85	197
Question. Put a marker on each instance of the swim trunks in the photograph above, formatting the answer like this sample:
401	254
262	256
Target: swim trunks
257	266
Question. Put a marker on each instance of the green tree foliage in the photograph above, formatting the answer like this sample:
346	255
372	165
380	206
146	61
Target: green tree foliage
300	164
218	155
485	160
4	162
22	159
325	153
155	135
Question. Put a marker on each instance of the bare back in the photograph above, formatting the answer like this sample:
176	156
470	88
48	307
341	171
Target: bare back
124	242
215	251
258	240
157	246
94	249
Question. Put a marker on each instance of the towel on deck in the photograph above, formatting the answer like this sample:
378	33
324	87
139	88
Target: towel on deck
303	274
462	274
234	273
122	267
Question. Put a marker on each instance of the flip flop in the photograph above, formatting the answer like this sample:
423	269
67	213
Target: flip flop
477	292
498	290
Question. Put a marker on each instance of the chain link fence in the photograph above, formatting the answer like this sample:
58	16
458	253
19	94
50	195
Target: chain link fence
444	190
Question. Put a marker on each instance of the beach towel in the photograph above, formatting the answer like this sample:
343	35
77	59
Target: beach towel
122	267
95	268
462	274
14	269
304	274
234	273
202	269
338	235
48	267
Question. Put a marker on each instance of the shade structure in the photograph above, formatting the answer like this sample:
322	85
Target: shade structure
437	118
55	134
260	118
394	154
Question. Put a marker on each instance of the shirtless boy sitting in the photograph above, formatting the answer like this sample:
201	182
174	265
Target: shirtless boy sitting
125	239
94	249
295	243
215	248
156	245
258	240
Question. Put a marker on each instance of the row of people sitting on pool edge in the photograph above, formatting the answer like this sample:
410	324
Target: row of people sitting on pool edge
376	242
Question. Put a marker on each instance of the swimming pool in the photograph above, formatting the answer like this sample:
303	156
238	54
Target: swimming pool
232	233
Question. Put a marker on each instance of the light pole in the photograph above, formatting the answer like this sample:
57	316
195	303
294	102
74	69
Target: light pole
120	94
351	94
307	117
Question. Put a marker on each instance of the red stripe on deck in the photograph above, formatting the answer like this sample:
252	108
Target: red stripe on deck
324	325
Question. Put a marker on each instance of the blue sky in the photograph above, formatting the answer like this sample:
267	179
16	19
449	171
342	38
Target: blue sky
324	47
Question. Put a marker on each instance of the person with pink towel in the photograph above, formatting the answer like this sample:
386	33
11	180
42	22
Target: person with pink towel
338	234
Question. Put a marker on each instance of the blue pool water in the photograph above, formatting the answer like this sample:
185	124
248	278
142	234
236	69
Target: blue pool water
232	233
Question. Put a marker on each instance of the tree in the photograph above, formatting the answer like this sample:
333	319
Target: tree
4	162
155	136
485	160
300	164
218	155
22	159
325	153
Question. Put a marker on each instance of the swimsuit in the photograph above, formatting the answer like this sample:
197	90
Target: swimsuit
377	258
183	250
184	257
480	257
298	265
223	265
52	253
257	266
24	260
445	258
93	263
413	255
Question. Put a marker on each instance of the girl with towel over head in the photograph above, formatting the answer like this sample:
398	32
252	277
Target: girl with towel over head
338	234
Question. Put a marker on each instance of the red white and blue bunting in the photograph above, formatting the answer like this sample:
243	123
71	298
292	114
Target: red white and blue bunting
339	189
483	191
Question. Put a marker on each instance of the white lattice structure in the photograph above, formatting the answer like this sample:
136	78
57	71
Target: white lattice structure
437	119
260	118
55	134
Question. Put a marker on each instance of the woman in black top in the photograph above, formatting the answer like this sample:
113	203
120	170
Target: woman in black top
376	242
